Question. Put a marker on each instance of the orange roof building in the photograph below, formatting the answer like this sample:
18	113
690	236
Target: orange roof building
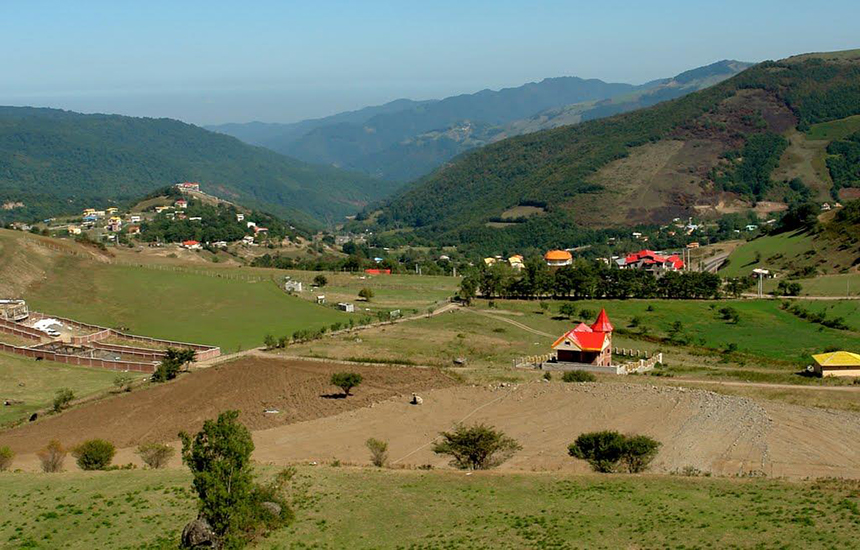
589	345
557	258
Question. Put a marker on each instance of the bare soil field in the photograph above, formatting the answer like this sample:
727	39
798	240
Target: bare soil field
299	390
724	435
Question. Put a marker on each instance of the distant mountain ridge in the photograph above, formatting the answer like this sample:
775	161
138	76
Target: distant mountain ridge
56	162
404	140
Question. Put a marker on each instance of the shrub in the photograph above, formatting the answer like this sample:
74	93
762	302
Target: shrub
366	294
95	454
605	450
567	310
52	457
478	447
586	313
547	376
729	314
378	452
346	381
6	457
270	341
155	455
62	399
578	376
123	382
320	280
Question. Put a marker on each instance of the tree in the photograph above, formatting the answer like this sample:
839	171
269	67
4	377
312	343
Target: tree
346	381
605	450
62	399
52	457
95	454
270	342
6	457
567	310
602	450
378	452
478	447
320	280
219	459
468	289
155	455
172	362
366	294
638	451
786	288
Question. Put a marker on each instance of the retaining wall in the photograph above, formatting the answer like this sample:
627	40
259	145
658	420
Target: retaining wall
82	361
10	327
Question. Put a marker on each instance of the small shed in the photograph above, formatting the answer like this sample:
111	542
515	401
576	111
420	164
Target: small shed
343	306
837	363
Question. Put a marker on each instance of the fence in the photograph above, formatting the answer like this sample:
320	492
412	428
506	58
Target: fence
23	331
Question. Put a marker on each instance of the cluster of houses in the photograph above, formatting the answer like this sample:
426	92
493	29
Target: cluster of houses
109	219
516	261
651	261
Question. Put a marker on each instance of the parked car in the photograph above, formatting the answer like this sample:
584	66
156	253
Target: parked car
52	333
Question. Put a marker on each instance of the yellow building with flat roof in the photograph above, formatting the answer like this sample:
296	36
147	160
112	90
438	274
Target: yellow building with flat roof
837	363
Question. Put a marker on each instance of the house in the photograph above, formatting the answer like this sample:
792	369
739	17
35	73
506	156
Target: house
240	217
837	363
825	207
489	261
170	215
181	203
343	306
444	258
248	239
112	210
751	227
188	186
517	262
134	218
587	345
258	230
191	245
321	299
651	261
293	286
89	212
92	218
693	244
195	219
74	230
249	225
220	244
558	258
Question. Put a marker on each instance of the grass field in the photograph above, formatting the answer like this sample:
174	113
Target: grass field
177	306
368	508
845	284
773	252
36	382
837	129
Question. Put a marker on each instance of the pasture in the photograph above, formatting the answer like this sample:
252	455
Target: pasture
351	507
36	382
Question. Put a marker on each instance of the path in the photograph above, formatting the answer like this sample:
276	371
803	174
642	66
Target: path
767	385
511	322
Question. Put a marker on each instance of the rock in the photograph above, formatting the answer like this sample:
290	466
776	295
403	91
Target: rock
199	534
416	400
272	507
460	361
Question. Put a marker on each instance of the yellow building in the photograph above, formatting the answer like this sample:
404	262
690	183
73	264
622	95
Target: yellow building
837	363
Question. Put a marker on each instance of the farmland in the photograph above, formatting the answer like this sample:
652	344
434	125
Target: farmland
344	507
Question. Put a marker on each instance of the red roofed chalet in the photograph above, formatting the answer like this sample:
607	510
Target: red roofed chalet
652	261
590	345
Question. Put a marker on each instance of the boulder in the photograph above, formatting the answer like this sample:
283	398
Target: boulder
416	400
199	534
272	507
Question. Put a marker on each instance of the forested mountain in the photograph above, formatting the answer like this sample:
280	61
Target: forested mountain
709	152
54	162
405	140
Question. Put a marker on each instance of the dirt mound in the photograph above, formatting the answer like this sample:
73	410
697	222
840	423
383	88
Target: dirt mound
298	390
711	432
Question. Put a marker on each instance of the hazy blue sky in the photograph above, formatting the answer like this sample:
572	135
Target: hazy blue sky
210	62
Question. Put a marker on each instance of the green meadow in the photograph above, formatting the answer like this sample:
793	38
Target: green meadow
837	129
370	508
36	382
180	306
769	252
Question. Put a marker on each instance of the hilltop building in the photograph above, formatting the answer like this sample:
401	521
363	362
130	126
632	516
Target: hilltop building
558	258
188	186
653	262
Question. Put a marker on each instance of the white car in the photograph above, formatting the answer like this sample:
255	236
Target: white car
52	333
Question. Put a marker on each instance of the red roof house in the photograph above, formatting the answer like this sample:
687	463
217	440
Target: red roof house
590	345
653	261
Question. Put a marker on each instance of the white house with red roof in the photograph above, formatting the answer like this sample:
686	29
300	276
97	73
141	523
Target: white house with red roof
188	186
654	262
587	345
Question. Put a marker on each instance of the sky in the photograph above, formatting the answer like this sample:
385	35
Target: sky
281	61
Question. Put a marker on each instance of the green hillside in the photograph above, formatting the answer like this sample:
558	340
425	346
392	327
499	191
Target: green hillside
715	146
55	162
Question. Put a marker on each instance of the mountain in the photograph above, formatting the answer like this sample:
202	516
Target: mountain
55	162
405	140
753	139
368	143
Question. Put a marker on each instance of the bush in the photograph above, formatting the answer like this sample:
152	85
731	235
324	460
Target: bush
346	381
155	455
270	342
123	382
578	376
547	376
567	310
366	294
729	314
52	457
95	454
478	447
62	399
378	452
6	457
320	280
605	450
